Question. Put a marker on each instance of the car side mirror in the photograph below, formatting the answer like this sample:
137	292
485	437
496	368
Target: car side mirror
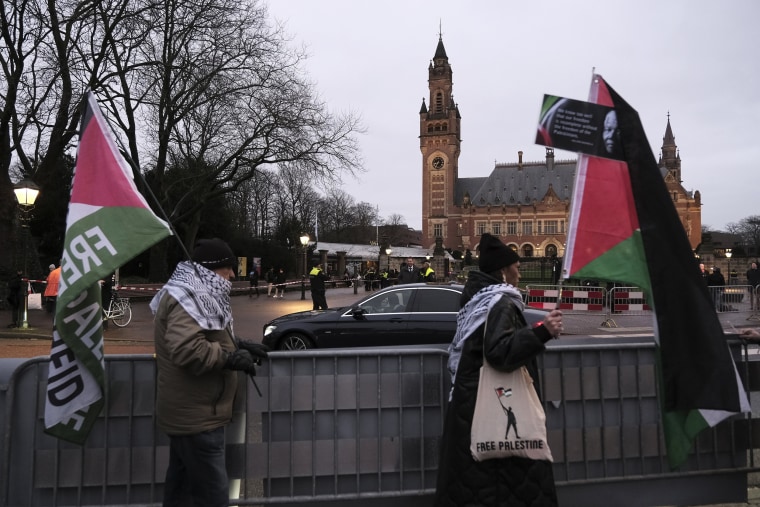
358	312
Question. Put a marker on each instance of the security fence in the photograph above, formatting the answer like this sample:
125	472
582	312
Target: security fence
573	300
615	302
352	427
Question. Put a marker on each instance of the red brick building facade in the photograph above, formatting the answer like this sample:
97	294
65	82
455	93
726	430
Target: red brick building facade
526	204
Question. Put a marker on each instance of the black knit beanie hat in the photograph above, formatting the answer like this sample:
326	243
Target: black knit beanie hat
214	254
494	254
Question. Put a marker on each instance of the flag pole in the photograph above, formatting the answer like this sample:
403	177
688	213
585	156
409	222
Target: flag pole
137	173
181	244
559	292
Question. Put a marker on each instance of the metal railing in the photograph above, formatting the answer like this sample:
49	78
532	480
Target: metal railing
351	426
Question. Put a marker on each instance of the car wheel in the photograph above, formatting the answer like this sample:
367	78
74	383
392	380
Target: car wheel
296	341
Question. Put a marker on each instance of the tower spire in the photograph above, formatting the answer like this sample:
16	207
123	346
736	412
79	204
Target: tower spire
670	158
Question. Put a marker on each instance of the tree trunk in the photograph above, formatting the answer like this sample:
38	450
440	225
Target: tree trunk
159	270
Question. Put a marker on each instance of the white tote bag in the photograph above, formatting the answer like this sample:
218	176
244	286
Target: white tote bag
509	420
34	301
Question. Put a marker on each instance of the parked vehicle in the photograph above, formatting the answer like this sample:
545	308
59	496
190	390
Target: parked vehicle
412	314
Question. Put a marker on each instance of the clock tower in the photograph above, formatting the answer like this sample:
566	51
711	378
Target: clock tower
440	144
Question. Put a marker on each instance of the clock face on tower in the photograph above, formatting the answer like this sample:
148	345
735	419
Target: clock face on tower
437	162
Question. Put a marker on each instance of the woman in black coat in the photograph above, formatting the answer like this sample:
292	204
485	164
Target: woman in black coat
509	344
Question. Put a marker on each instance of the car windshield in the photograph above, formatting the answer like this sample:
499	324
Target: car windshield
394	301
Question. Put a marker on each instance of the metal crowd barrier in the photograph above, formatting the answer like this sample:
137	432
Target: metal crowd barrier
755	304
619	302
732	298
625	301
350	427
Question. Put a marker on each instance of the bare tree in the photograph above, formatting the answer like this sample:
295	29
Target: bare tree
210	87
749	230
41	90
395	229
337	215
297	202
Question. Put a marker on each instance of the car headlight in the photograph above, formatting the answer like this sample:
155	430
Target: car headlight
269	330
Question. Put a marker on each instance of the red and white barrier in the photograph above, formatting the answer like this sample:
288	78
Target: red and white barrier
626	300
573	299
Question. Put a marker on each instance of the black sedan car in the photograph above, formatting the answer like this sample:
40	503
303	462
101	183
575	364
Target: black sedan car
412	314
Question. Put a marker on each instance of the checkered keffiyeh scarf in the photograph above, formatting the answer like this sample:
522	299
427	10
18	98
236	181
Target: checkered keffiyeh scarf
472	315
203	294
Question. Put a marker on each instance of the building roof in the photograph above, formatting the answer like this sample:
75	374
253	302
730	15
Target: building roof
356	252
513	184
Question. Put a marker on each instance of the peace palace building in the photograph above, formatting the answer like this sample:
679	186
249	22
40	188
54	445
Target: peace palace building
526	204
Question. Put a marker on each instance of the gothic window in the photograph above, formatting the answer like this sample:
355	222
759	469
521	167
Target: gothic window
527	227
528	251
538	226
551	250
445	127
511	227
430	128
496	228
439	102
437	230
437	127
481	228
550	227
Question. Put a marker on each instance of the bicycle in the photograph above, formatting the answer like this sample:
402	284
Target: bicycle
119	311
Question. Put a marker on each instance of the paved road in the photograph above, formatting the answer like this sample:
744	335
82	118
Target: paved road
251	313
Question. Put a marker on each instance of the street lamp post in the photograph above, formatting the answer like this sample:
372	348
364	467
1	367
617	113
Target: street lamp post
26	193
388	252
728	256
304	242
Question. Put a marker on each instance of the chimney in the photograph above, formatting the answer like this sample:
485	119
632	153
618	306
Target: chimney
550	158
519	159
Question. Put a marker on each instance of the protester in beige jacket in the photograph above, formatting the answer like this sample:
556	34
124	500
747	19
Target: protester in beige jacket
197	360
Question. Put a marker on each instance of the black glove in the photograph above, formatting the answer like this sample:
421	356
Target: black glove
257	350
241	360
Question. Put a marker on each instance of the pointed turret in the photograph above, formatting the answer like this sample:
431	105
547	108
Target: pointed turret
669	147
440	51
670	159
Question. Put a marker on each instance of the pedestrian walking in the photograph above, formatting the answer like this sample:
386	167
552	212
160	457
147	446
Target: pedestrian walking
317	279
270	276
197	360
253	281
16	289
506	343
279	281
51	288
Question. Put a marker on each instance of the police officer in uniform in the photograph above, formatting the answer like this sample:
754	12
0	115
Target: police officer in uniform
317	279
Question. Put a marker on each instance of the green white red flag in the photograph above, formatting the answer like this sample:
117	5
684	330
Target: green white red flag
625	228
108	223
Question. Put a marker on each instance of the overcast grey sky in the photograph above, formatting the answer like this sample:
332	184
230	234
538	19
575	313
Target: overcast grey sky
697	59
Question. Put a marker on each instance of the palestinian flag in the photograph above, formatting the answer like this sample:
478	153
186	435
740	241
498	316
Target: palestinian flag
108	224
500	391
624	228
